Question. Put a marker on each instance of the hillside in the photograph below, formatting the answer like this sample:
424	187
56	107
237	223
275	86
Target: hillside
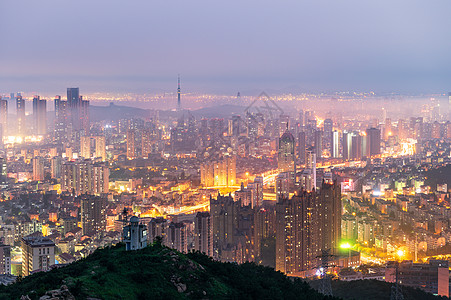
161	273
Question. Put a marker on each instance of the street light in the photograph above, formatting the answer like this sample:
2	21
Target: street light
347	246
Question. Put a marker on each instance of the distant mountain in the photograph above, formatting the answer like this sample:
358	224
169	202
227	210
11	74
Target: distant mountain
115	112
220	111
157	272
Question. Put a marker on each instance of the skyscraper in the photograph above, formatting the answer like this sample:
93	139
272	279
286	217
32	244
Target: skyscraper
4	115
286	154
20	114
61	119
39	115
335	144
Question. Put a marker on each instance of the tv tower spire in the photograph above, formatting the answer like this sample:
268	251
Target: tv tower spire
179	104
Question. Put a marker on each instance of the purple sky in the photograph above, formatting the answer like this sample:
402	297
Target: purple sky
225	46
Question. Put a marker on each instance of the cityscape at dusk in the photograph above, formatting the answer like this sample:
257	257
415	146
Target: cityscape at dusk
200	150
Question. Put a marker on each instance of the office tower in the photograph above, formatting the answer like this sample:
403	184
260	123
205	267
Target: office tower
301	147
61	119
38	168
131	151
330	206
179	103
55	167
100	147
318	143
335	144
283	185
135	235
20	115
5	259
403	130
74	101
85	146
176	237
297	233
38	253
221	172
85	176
286	155
4	115
374	141
147	137
203	239
93	214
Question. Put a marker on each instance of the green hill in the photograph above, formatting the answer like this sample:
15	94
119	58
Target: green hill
157	272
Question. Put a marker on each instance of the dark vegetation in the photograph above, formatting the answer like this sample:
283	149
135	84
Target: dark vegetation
161	273
157	272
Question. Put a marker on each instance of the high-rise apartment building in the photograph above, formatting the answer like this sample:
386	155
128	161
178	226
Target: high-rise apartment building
5	259
306	224
39	115
221	172
38	168
100	147
38	253
374	141
85	176
85	146
203	237
131	150
93	214
176	237
62	114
